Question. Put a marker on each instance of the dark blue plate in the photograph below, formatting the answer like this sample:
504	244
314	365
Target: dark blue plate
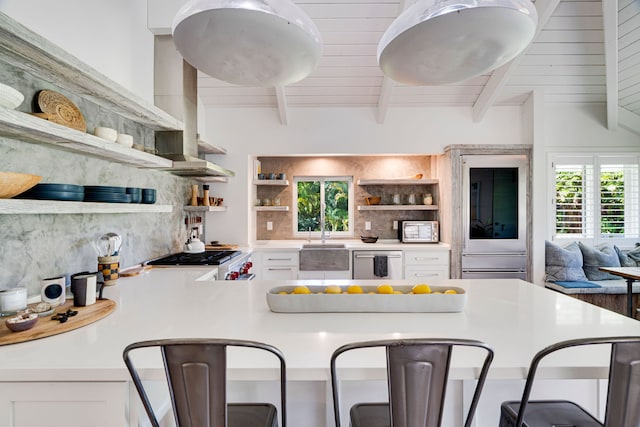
58	187
52	195
108	198
103	188
134	190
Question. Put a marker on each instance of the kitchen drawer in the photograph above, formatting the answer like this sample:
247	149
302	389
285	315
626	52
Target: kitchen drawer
422	273
426	257
275	272
324	275
280	258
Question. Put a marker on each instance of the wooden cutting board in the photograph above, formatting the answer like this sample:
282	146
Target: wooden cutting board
220	247
47	327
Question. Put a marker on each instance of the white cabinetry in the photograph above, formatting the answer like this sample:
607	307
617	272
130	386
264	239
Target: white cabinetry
426	264
69	404
277	265
324	275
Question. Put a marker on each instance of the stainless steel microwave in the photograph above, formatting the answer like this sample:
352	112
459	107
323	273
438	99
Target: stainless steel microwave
418	232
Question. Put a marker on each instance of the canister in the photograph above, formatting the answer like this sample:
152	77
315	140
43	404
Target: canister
12	300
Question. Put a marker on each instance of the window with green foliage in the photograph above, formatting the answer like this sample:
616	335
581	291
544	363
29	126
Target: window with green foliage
332	193
597	197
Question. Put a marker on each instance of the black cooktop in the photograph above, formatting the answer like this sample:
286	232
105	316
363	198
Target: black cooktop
203	258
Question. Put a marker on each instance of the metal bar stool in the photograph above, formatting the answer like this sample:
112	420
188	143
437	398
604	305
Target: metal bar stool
623	393
417	373
196	372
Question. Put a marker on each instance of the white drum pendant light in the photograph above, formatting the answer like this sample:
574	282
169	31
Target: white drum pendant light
444	41
248	42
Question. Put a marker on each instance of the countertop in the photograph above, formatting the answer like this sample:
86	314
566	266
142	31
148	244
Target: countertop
515	317
393	244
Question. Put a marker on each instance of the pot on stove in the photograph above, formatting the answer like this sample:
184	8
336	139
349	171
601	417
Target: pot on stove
194	246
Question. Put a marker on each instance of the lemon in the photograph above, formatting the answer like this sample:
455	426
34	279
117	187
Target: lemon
283	293
301	290
354	289
385	289
421	289
450	291
333	289
397	292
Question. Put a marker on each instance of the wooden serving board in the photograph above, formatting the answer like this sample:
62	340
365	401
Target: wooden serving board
221	247
47	327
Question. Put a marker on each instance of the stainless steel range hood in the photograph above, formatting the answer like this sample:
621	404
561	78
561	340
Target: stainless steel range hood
176	92
173	145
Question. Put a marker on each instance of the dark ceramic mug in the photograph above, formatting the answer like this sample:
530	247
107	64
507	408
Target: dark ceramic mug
85	288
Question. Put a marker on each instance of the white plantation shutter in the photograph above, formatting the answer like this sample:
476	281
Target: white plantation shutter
597	197
574	196
623	217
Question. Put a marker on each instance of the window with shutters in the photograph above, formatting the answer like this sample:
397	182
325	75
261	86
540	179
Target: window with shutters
597	197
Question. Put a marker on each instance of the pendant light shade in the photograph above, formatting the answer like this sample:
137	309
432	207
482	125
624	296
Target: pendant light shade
248	42
447	41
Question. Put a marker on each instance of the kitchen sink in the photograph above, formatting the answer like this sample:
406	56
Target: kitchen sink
324	257
323	246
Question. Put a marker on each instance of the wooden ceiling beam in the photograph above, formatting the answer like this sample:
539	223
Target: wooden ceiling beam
499	77
386	88
610	24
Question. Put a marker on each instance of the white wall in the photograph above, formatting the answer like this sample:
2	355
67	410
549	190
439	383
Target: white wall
110	36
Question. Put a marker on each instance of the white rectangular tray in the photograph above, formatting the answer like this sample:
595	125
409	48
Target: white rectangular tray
319	302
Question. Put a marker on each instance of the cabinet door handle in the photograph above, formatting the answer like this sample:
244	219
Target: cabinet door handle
425	258
279	268
425	274
279	259
371	256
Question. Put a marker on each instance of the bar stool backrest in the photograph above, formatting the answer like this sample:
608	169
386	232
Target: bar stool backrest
623	393
417	373
197	375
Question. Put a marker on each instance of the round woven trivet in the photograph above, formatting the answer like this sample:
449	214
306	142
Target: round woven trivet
61	110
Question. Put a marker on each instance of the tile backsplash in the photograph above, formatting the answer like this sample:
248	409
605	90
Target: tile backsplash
357	167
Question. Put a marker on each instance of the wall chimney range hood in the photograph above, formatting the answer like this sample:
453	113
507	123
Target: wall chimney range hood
176	92
175	146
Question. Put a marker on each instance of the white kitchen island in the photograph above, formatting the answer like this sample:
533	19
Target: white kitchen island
78	378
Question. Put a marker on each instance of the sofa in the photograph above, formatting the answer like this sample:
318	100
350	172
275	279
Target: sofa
574	270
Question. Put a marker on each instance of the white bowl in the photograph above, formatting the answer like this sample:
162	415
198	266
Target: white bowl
9	97
124	139
106	133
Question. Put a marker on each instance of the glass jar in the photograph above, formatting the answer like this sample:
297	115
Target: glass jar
427	199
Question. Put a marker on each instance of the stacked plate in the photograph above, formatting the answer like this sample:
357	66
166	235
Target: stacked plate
105	194
136	194
67	192
148	196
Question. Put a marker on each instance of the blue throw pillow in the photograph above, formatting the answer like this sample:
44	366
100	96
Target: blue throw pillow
594	258
563	264
630	258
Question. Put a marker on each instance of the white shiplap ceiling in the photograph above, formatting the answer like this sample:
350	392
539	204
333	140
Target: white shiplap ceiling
585	51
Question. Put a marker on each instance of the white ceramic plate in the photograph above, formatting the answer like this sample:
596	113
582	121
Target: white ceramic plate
9	97
319	302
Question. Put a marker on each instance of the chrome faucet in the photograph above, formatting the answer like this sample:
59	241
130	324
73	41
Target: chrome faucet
323	236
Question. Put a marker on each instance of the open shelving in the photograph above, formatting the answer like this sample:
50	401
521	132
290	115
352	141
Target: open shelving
190	208
28	206
271	208
29	128
398	208
397	181
272	182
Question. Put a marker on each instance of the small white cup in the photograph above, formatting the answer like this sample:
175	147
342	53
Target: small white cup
106	133
124	139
